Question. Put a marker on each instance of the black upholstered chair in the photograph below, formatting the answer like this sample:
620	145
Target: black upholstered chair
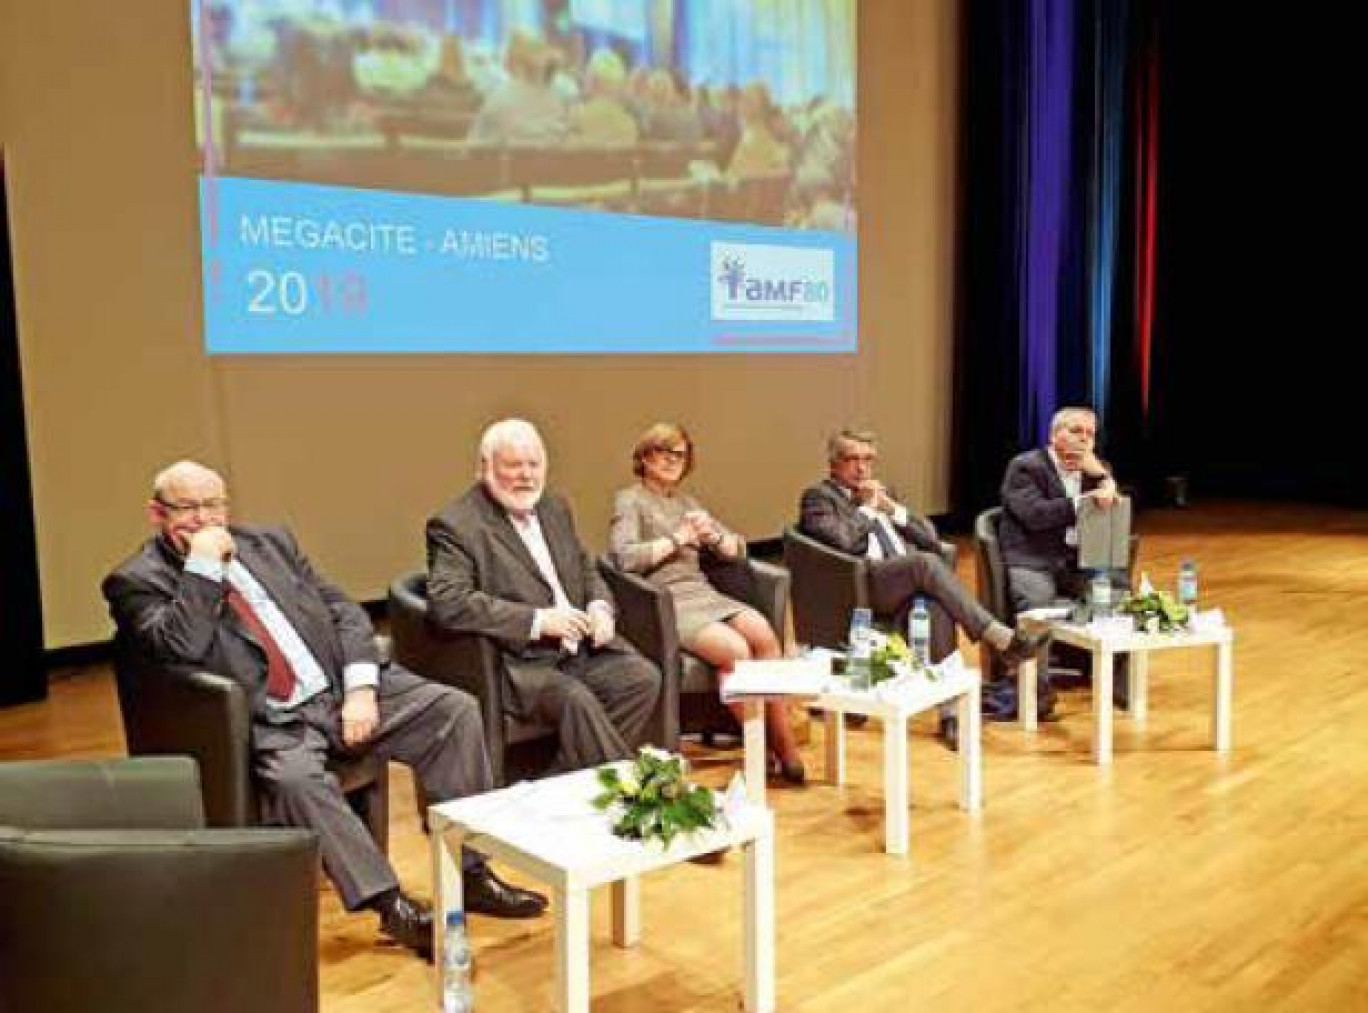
180	712
646	616
828	584
116	899
518	749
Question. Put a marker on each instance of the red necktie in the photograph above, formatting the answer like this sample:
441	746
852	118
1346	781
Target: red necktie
280	675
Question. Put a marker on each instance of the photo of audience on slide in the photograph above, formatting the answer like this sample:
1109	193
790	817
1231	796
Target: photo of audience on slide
715	110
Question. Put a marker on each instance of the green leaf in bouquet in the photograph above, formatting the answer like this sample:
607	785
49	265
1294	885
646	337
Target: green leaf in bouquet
608	777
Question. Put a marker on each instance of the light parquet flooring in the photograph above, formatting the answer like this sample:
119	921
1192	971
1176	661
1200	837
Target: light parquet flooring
1176	880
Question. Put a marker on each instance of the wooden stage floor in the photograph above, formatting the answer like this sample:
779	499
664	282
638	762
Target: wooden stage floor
1176	880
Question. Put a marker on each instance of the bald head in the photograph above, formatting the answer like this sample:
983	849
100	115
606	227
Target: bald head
183	473
187	497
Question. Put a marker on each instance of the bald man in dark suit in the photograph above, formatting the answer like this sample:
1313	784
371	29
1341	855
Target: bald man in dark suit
244	602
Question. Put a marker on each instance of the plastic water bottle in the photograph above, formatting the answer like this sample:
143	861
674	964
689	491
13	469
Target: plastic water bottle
1187	584
457	996
859	662
1100	594
919	632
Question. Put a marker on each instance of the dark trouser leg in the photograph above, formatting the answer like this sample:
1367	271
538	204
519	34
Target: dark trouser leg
1032	588
436	731
557	697
897	581
298	791
628	687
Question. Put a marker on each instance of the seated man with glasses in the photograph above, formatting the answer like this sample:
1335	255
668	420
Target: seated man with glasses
852	511
245	602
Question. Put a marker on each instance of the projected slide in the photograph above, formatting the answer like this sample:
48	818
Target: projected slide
527	176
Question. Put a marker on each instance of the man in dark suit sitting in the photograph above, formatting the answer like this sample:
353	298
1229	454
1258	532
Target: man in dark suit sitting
246	603
852	511
1042	492
504	561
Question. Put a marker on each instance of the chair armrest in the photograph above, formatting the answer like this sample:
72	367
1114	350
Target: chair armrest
646	618
159	920
770	593
645	614
193	713
827	585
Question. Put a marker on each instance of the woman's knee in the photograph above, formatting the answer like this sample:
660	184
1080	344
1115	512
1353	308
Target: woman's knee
720	645
761	640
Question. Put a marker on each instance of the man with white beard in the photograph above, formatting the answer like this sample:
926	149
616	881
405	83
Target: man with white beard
504	561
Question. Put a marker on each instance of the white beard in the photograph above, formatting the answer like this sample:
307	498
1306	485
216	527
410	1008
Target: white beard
520	502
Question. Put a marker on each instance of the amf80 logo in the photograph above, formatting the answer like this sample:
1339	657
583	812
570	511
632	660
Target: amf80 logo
757	282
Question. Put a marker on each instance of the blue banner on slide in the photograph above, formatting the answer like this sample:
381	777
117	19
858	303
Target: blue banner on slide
298	268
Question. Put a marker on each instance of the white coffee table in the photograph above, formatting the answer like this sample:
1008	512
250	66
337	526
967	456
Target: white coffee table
895	708
1105	644
549	830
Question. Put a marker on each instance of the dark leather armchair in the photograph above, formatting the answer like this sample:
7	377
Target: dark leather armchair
646	616
117	900
828	584
205	716
517	749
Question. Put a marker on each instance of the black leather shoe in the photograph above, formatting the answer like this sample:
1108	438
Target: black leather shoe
1024	646
407	921
486	894
949	732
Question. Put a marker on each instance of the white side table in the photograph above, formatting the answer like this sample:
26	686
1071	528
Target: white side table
549	830
1105	645
895	707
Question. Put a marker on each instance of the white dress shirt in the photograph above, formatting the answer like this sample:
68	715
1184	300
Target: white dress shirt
1073	486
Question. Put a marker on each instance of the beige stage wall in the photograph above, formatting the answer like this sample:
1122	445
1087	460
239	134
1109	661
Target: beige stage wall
354	452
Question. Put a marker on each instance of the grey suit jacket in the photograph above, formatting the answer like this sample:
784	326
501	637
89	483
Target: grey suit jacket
827	514
1036	512
181	620
482	579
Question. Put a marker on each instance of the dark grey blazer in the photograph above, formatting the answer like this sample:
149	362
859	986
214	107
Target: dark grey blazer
482	579
181	619
1036	511
827	514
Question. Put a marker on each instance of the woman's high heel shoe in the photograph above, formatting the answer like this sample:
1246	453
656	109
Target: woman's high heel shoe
790	773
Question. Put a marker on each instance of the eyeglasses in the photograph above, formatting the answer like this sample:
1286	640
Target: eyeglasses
186	507
859	458
670	454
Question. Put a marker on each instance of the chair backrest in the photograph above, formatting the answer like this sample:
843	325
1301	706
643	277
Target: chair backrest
827	585
171	711
137	793
457	659
467	661
148	920
992	572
